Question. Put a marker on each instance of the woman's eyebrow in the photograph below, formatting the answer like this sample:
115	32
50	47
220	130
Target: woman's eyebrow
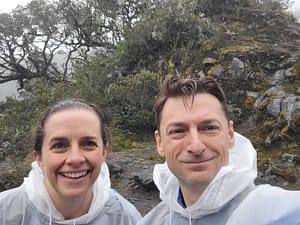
57	139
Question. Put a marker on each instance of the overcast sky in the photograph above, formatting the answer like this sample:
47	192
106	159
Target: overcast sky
8	5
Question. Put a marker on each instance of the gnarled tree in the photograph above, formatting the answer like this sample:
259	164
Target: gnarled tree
44	39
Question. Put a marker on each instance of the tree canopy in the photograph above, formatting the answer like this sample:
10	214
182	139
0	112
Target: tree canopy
116	53
45	39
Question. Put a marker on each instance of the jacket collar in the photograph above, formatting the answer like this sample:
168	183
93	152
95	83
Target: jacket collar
38	195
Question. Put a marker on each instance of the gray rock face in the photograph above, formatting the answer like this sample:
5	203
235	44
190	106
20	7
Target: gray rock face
237	67
277	99
144	178
265	82
278	77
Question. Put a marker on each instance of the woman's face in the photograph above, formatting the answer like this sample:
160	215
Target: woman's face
72	153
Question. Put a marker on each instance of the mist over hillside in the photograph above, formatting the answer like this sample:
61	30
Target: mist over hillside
8	89
295	9
297	14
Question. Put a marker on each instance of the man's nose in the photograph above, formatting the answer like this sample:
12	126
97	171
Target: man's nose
196	143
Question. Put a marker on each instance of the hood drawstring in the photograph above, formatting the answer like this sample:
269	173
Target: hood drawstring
190	219
50	219
170	218
49	212
4	212
23	216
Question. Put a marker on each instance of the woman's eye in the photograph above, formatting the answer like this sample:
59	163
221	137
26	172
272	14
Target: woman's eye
58	146
89	144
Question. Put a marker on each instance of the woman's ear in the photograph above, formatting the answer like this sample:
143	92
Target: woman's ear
159	145
38	157
106	150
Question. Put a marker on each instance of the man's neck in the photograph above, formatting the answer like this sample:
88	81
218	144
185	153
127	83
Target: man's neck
180	199
190	195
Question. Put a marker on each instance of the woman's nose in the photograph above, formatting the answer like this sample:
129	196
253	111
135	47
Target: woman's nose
75	156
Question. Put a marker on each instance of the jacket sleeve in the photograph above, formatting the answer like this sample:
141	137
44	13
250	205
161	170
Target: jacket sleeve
12	206
268	205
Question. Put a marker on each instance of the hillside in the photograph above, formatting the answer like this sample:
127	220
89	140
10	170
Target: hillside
253	52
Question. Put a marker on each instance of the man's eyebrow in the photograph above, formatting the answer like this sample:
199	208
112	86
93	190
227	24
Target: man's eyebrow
210	120
205	121
175	124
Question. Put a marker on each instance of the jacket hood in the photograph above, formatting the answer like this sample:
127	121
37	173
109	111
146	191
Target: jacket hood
228	182
38	195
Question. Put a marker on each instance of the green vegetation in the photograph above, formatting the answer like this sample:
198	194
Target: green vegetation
122	60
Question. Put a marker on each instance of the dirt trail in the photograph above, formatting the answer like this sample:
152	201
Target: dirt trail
132	162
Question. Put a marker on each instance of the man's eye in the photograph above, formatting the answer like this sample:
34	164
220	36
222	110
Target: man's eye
210	129
176	132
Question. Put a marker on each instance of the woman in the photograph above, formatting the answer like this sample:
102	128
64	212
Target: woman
69	182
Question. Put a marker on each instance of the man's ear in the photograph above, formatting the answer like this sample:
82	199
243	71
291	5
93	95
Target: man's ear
38	157
159	144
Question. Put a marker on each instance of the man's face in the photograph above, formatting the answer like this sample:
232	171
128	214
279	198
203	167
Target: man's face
194	139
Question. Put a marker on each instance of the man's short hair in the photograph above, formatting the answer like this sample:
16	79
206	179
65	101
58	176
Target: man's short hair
188	87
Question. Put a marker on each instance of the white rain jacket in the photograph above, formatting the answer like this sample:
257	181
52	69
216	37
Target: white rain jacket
230	199
29	204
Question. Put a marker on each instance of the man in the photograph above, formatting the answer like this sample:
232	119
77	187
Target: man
208	177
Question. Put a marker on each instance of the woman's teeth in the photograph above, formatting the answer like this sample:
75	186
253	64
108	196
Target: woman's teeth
75	175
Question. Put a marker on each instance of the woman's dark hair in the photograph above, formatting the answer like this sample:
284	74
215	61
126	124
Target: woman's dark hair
37	134
188	87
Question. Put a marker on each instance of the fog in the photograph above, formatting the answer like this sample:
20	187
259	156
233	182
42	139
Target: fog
8	89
